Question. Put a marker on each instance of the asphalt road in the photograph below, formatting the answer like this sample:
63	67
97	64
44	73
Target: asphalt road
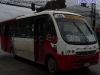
20	66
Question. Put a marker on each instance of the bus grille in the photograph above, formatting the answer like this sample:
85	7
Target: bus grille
84	53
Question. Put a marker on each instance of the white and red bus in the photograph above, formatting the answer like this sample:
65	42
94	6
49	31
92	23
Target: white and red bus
61	40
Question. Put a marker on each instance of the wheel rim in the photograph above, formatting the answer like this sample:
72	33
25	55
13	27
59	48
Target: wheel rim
52	65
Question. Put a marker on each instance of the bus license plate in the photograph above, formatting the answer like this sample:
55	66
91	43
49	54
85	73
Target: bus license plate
86	64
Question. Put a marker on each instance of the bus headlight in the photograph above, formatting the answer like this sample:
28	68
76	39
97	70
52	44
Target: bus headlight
69	52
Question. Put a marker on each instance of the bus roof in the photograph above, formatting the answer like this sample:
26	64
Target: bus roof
47	12
43	12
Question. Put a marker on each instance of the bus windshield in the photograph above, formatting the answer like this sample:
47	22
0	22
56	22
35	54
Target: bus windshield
75	30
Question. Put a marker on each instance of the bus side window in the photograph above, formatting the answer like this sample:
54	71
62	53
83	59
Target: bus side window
7	28
3	29
14	28
20	30
17	29
30	27
10	30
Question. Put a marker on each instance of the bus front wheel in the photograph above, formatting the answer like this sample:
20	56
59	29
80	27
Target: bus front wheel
51	64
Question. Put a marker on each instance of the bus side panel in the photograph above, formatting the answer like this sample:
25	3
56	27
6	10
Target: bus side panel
24	47
49	50
3	43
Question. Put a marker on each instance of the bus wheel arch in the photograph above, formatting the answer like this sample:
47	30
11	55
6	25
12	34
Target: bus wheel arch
51	63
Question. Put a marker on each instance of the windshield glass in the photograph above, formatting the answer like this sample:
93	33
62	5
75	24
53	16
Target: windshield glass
75	30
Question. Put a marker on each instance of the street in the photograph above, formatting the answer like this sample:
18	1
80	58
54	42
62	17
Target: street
20	66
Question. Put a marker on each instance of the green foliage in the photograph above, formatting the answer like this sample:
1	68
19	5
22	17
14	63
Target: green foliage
58	4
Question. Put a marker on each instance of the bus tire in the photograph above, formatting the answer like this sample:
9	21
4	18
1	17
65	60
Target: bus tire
85	68
52	65
13	53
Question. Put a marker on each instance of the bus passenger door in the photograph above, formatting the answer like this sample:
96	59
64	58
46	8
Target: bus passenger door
39	41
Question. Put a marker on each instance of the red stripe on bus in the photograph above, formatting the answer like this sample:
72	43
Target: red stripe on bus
9	20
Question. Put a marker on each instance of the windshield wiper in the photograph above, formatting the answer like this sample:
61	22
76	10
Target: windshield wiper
81	32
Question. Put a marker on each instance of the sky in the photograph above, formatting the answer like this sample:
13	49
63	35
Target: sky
8	11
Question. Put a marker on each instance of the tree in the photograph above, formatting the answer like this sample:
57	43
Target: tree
58	4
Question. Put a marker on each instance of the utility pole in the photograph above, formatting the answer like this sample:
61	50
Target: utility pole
51	4
32	6
93	15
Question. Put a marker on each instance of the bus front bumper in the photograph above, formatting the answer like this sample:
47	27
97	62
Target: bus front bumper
70	62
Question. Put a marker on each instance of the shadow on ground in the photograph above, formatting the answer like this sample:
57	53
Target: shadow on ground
43	69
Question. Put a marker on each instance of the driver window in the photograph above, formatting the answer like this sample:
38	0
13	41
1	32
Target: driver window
50	30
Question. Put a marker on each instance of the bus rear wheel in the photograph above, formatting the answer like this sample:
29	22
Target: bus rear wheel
51	64
13	53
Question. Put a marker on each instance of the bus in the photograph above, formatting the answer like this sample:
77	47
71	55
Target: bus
58	39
